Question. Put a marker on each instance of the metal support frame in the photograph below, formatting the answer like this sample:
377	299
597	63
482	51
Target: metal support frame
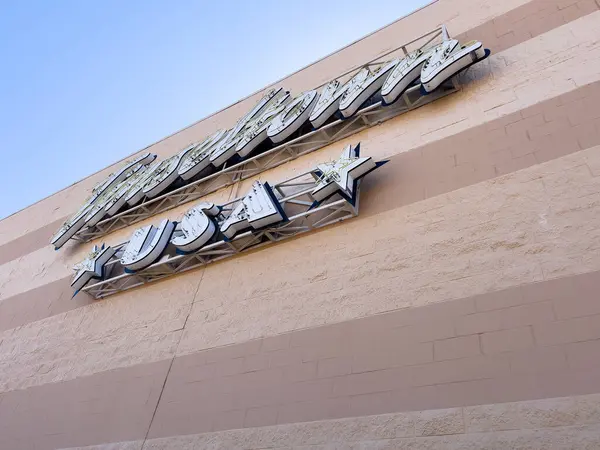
368	116
333	132
295	197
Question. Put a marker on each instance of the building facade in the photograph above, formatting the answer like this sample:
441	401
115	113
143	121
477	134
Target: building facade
459	309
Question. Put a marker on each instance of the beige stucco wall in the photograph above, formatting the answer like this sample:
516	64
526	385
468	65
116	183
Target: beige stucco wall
564	423
489	203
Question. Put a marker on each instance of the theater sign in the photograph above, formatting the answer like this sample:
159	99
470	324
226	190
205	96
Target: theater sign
327	194
279	128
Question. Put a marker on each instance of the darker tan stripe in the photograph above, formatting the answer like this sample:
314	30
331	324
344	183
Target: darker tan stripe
29	242
535	341
528	21
545	131
110	406
548	130
40	303
516	26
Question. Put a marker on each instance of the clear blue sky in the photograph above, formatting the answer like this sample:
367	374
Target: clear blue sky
84	84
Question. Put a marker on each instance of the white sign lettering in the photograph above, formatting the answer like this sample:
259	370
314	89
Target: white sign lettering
226	150
146	245
257	132
275	119
329	100
99	193
447	59
264	213
92	266
341	175
292	117
196	228
199	158
361	91
258	209
404	74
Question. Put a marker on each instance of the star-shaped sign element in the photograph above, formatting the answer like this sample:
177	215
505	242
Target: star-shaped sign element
342	175
91	267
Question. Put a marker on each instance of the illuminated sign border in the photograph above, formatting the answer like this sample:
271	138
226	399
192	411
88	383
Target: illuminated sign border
271	116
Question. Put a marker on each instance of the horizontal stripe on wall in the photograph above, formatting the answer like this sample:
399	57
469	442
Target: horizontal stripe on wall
40	303
565	423
527	21
29	242
545	131
505	31
110	406
538	223
535	341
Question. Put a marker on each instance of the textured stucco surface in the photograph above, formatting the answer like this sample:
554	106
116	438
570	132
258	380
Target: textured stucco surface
483	230
557	423
538	223
528	342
